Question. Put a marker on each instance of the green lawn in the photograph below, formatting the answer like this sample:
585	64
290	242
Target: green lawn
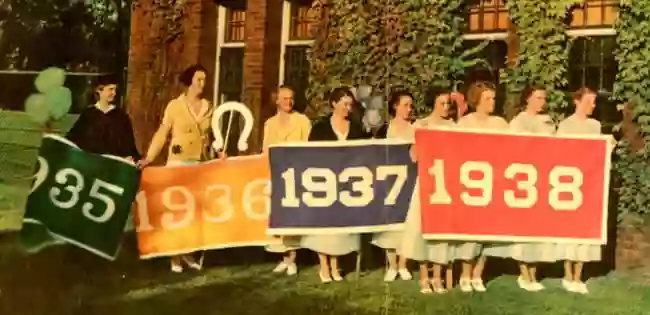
66	281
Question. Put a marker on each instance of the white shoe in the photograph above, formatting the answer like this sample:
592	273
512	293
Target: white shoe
191	263
391	275
176	268
465	285
523	284
536	286
292	269
569	285
581	287
336	276
281	267
325	278
477	285
404	274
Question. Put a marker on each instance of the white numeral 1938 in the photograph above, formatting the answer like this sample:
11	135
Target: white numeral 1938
528	185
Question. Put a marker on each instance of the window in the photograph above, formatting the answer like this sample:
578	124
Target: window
595	13
592	63
301	20
235	25
297	39
495	55
487	16
231	76
296	69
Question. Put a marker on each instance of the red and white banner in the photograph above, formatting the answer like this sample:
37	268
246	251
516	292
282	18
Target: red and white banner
513	187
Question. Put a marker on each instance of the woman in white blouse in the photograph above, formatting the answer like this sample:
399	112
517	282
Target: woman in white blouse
529	254
575	255
413	245
399	127
481	98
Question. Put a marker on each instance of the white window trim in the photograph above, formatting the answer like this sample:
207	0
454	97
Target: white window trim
285	38
486	36
591	32
221	43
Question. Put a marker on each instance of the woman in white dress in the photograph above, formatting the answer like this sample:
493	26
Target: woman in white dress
575	255
399	127
480	96
335	127
413	245
529	254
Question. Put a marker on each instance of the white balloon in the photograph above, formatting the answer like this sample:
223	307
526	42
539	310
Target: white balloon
242	143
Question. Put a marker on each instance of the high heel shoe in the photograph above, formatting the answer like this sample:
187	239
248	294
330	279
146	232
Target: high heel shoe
336	276
324	278
176	267
437	286
425	287
191	263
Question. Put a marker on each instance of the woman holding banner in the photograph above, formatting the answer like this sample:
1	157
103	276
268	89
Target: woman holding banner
286	126
335	127
528	254
413	245
186	122
481	98
575	255
399	127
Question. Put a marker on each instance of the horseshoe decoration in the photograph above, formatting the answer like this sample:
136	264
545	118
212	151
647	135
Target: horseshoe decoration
242	143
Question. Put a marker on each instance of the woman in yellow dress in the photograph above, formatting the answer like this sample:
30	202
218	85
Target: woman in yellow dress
186	125
286	126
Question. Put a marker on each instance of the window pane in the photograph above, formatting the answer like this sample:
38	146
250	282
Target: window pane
595	13
592	63
231	74
488	16
301	21
296	74
235	25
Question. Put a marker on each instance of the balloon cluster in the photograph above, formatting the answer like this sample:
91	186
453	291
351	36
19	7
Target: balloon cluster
53	100
373	105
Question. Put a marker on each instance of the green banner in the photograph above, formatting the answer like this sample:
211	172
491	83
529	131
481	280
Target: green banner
80	198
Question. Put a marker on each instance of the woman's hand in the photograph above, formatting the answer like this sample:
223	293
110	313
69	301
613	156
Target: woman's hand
143	163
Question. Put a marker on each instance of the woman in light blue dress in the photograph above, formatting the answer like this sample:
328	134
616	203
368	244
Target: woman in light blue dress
399	127
413	245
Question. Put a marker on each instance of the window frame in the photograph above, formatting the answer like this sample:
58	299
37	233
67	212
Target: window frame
222	44
479	9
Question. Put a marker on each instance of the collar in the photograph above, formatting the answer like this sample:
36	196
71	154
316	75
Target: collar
106	111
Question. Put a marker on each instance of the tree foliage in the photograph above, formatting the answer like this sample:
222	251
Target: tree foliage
543	52
632	86
388	44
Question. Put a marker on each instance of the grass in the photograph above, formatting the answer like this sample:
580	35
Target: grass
65	280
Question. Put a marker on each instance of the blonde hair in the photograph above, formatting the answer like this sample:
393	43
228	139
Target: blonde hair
476	90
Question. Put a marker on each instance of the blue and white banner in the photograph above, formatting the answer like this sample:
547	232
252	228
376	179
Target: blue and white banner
340	187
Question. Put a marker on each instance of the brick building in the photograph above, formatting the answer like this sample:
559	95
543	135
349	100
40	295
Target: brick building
255	45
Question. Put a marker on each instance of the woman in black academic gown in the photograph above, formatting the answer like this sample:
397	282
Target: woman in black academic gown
104	128
335	127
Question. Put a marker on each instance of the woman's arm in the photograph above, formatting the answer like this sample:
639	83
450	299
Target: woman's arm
160	137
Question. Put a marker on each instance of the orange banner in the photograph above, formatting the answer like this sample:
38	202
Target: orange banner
217	204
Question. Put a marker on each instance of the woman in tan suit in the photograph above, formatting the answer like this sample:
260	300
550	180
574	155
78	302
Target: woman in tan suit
186	124
286	126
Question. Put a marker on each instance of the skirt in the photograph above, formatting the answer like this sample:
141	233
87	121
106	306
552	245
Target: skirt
387	240
333	245
289	243
578	252
524	252
414	246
